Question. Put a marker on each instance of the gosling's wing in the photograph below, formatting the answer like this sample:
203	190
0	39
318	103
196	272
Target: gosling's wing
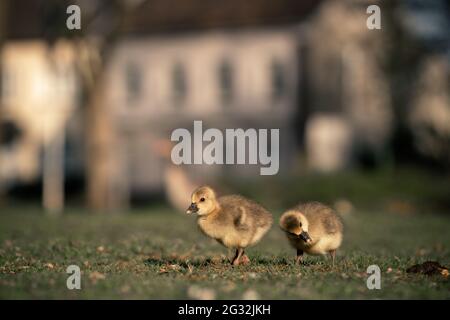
332	223
258	216
241	221
235	208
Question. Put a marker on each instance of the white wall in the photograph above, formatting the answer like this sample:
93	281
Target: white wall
249	53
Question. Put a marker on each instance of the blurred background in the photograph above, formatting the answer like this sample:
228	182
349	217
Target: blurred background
86	115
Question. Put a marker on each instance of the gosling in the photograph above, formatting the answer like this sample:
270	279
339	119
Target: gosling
313	228
232	220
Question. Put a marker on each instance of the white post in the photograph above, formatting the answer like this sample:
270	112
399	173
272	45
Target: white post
53	170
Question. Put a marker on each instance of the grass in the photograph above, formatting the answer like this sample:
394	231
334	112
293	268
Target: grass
158	253
406	189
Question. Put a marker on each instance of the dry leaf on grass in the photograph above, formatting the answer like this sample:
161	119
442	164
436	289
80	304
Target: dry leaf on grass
96	276
49	265
168	268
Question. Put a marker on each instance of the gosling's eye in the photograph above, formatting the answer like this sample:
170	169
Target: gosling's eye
300	224
202	199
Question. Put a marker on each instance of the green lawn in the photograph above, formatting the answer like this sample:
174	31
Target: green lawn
159	253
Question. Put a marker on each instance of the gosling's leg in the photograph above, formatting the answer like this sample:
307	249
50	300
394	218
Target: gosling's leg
299	258
333	255
237	256
244	258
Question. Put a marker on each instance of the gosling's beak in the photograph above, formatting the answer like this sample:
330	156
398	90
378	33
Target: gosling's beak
305	237
192	208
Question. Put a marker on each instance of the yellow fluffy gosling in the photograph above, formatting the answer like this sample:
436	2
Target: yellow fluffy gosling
234	221
313	228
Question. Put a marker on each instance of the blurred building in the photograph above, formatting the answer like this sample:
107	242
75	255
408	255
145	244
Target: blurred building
227	79
310	68
173	64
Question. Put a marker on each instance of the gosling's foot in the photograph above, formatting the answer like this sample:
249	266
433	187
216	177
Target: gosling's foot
299	257
244	260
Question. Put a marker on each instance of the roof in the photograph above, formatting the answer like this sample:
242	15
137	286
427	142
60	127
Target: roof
47	18
180	15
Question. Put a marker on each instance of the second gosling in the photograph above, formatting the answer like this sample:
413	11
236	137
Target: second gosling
234	221
313	228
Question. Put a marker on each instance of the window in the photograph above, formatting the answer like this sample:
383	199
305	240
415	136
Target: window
179	83
133	82
10	133
278	80
226	81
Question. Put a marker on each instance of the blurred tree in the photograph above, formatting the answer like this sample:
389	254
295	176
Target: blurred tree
418	78
403	55
102	24
344	76
429	118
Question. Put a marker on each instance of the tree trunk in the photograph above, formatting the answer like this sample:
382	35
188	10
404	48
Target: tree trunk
102	171
104	184
99	150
